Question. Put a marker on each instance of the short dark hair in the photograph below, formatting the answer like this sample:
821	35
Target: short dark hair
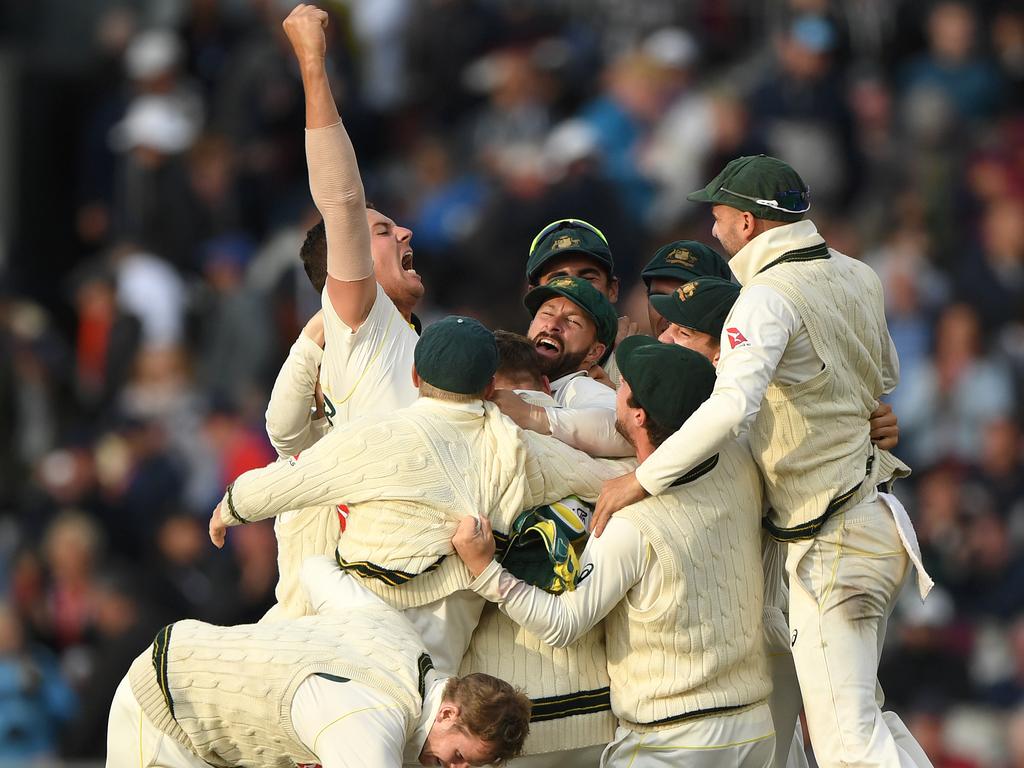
493	711
656	433
518	359
314	255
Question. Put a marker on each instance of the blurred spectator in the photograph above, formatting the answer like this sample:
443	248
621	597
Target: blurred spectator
993	280
124	623
154	292
927	723
72	548
34	699
234	327
1016	739
946	403
1009	692
801	114
952	64
107	340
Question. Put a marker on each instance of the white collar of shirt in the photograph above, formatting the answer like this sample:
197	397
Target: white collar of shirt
559	384
771	244
431	704
455	410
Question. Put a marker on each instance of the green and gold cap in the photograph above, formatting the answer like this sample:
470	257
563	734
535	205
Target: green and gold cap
765	186
457	354
685	260
583	294
701	304
567	236
670	382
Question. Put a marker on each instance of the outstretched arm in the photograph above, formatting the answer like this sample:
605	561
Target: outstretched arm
333	174
614	564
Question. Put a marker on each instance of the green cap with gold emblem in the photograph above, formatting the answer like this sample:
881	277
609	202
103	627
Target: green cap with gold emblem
685	260
702	304
765	186
585	296
565	236
670	382
457	354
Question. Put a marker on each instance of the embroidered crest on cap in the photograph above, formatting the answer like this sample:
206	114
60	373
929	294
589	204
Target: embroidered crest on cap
681	257
686	290
565	241
561	282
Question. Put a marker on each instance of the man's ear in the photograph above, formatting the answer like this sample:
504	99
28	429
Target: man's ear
448	713
488	390
545	384
415	377
613	289
717	356
594	354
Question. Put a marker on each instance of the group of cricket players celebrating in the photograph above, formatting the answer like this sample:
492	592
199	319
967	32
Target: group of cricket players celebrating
573	547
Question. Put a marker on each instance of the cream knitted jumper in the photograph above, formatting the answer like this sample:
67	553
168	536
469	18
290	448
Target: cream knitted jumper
226	692
408	479
568	686
812	439
700	647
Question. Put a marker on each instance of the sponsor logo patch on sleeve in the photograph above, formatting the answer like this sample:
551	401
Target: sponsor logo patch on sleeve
736	338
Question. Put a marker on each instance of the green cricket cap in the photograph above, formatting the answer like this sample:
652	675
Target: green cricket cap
765	186
701	304
583	294
457	354
563	237
685	260
670	382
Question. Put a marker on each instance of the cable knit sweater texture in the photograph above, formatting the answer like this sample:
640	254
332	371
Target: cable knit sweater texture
408	479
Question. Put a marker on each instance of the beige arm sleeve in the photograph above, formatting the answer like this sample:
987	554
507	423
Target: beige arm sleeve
338	193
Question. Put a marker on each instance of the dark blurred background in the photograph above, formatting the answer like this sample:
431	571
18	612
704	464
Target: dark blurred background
153	198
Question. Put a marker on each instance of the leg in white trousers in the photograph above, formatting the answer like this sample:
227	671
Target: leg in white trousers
133	742
744	740
585	757
843	584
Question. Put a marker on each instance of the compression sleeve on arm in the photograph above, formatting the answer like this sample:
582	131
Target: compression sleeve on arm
338	193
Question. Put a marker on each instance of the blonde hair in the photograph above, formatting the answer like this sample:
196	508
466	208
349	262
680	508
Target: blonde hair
429	390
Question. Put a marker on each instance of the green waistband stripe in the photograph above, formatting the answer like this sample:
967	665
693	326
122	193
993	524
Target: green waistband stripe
369	570
568	705
160	649
810	529
682	718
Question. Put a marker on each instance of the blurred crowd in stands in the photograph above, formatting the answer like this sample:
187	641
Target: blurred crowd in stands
152	285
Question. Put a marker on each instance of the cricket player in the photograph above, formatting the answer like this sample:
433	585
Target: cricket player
672	265
352	686
410	476
677	581
805	355
576	248
354	358
573	326
572	720
694	314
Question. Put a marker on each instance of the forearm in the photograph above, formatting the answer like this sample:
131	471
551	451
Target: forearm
317	479
291	400
591	430
616	564
337	190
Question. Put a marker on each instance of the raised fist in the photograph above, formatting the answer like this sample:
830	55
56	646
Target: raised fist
304	27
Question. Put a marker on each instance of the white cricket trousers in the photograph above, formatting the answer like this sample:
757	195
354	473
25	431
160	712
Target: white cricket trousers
784	701
134	742
842	587
584	757
742	740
